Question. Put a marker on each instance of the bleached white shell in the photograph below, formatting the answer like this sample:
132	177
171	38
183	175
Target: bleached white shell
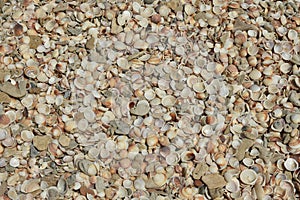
248	176
291	164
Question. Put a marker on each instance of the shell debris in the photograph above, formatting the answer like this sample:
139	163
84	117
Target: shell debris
149	99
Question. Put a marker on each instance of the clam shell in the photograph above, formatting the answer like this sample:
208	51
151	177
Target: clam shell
31	71
233	185
292	34
168	101
172	158
142	108
29	186
159	179
27	135
3	134
248	176
4	120
291	164
248	162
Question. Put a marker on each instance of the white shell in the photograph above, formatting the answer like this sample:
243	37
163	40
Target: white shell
168	101
248	176
123	63
233	185
291	164
142	108
27	136
3	134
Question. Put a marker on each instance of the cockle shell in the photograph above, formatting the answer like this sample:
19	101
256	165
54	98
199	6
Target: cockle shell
248	176
291	164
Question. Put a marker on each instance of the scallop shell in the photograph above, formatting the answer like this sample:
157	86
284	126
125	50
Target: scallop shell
248	176
291	164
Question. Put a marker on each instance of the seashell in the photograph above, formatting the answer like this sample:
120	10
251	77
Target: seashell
9	142
248	162
82	124
138	183
156	18
255	74
123	63
14	162
172	158
3	134
31	71
164	11
43	109
252	60
187	156
149	94
168	101
128	184
159	179
152	140
207	130
240	37
252	50
27	136
286	56
285	68
140	44
292	34
52	192
31	185
291	164
189	9
278	48
248	176
233	185
142	108
62	186
4	120
188	192
199	87
295	118
278	125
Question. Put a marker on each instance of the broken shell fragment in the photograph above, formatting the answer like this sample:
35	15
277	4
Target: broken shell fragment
214	181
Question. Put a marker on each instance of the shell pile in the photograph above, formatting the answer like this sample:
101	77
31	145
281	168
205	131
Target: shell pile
149	99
